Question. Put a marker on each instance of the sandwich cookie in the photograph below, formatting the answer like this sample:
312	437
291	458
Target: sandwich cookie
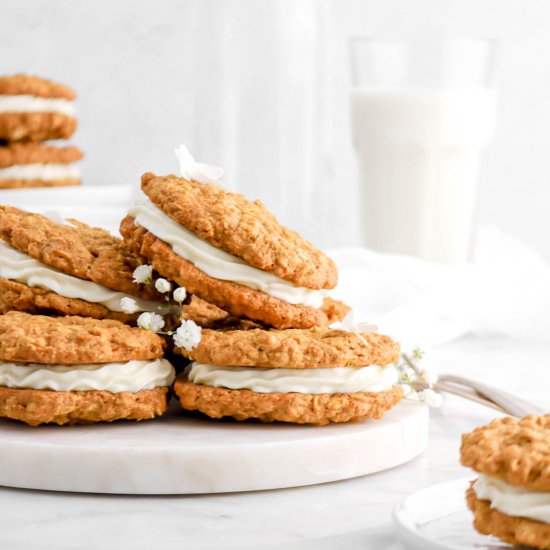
76	370
35	109
302	376
232	252
36	165
511	497
49	267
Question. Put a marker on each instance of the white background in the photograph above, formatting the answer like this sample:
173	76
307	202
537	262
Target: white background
261	88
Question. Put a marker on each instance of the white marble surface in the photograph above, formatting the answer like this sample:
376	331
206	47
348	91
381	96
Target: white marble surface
349	514
187	454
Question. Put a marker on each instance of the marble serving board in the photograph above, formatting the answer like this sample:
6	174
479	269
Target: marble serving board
182	453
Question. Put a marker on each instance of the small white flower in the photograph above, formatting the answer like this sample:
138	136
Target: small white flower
150	321
188	335
129	305
413	395
162	285
431	398
143	274
180	294
429	376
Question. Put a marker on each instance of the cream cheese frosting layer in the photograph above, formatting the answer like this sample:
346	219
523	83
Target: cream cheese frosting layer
371	379
16	266
132	376
219	264
33	104
513	501
41	172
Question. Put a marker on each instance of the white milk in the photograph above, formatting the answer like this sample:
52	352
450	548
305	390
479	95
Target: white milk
420	154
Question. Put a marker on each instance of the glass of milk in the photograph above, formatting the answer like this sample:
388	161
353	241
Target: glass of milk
423	113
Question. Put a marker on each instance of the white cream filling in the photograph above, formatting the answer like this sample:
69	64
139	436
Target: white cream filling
513	501
132	376
371	379
34	104
51	171
219	264
16	266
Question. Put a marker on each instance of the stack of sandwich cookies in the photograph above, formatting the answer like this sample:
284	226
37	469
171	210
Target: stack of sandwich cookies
68	370
303	376
37	165
511	497
33	110
233	253
48	267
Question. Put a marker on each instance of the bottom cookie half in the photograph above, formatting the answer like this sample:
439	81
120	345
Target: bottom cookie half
297	408
514	530
36	407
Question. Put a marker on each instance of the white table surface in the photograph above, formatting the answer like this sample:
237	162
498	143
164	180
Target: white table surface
349	514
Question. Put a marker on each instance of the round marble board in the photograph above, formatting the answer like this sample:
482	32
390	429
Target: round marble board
185	454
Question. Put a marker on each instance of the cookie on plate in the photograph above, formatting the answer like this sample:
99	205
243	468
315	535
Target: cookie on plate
37	165
232	252
511	497
76	370
35	109
68	269
302	376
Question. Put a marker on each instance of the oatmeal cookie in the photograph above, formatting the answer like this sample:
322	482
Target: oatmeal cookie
515	451
73	340
238	300
36	407
297	408
89	253
243	228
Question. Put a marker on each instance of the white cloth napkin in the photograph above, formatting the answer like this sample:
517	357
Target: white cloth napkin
504	291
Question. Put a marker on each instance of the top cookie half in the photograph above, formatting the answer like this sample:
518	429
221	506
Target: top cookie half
516	451
243	228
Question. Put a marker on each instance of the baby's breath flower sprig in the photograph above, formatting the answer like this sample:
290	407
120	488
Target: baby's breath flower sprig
417	383
179	294
163	286
151	321
188	335
143	274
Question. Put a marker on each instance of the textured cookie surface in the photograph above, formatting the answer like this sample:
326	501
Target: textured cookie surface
513	530
34	153
238	300
89	253
27	184
242	228
36	126
297	408
19	297
516	451
293	348
36	407
73	340
24	84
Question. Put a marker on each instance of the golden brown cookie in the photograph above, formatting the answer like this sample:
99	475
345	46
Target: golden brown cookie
24	84
35	126
36	407
293	348
38	153
243	228
16	296
296	408
73	340
515	451
238	300
89	253
24	154
513	530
